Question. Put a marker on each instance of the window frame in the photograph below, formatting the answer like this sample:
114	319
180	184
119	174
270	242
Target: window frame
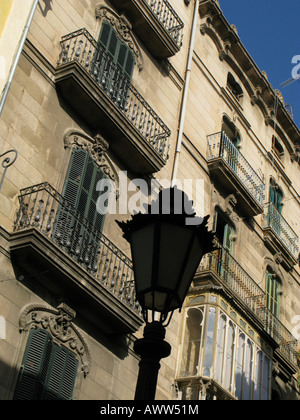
43	374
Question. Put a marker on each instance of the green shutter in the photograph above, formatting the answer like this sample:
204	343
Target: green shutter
34	366
272	293
80	191
80	235
48	371
61	374
119	52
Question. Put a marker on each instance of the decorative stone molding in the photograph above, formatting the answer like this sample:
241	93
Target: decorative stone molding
97	148
295	157
230	203
223	47
279	95
123	28
59	323
274	263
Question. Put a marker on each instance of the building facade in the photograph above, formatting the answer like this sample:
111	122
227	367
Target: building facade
134	95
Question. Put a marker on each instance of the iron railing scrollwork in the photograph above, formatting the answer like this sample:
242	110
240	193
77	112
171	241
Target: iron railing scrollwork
43	208
7	162
274	220
220	146
166	15
82	48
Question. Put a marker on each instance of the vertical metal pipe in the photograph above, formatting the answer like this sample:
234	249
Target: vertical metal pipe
185	94
18	54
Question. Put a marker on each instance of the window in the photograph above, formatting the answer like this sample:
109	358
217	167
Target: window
234	87
272	293
224	232
79	227
113	65
217	348
191	345
262	376
277	147
231	131
230	143
209	342
48	371
119	52
275	207
275	196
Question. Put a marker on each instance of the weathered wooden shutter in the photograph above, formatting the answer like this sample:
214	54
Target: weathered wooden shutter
61	374
79	227
34	366
48	371
120	53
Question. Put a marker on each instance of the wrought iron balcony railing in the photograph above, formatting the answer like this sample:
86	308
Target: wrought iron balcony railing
220	146
167	16
233	277
274	220
43	208
82	48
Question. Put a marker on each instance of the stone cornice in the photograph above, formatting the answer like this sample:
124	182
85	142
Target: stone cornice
232	50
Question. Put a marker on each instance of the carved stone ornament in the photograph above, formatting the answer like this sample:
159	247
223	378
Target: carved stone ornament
97	148
123	29
58	322
230	203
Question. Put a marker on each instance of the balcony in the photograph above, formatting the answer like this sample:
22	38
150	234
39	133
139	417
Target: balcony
233	172
223	270
94	87
279	236
55	246
156	24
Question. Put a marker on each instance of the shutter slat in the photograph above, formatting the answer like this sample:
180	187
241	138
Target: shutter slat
36	354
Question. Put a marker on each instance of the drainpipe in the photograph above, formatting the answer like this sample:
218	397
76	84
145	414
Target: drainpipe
185	94
18	54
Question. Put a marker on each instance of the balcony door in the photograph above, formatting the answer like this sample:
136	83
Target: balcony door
272	302
275	207
224	232
113	65
229	144
79	225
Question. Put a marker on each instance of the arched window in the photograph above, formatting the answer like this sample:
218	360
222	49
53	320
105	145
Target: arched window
273	293
207	364
48	371
220	348
191	345
275	195
224	232
277	148
231	131
234	87
225	348
240	366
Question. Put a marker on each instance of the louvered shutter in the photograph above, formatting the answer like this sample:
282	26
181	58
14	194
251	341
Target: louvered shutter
114	52
34	366
67	229
61	374
81	234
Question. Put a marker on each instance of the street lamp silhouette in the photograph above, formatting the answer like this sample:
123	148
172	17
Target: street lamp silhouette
167	244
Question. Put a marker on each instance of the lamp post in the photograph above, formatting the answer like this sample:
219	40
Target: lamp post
167	244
